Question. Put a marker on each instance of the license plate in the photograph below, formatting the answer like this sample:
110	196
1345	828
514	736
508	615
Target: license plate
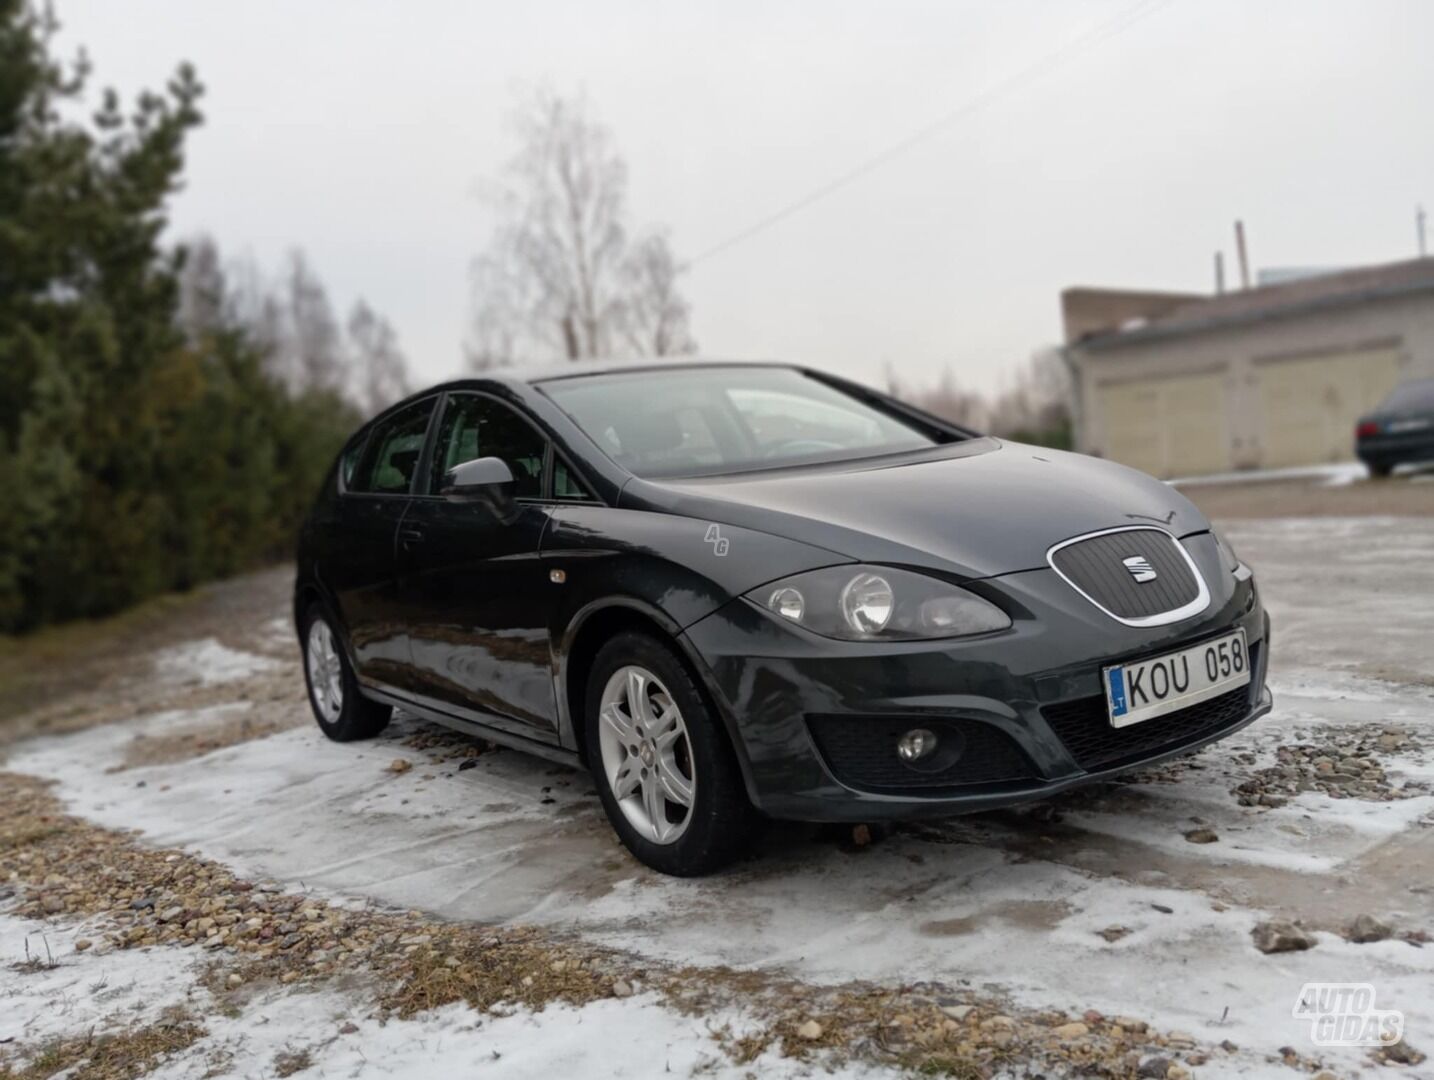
1151	688
1399	427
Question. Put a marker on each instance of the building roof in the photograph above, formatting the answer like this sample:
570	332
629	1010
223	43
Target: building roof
1339	289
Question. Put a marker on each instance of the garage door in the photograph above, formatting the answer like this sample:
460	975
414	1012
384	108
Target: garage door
1308	405
1170	427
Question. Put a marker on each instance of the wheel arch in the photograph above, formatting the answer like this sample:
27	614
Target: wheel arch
596	624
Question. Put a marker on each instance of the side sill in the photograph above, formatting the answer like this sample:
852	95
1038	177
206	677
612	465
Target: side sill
472	727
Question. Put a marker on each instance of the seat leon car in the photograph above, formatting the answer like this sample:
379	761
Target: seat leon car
738	591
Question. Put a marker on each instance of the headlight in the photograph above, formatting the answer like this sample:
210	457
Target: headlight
878	603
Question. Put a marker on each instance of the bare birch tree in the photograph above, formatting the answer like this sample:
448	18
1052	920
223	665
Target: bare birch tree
316	347
562	275
380	369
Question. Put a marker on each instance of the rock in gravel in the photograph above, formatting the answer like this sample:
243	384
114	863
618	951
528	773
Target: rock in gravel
399	765
1279	935
1074	1030
1155	1067
1366	928
622	988
1202	836
349	1028
470	763
811	1030
957	1012
1177	1072
82	944
860	837
1114	933
1401	1053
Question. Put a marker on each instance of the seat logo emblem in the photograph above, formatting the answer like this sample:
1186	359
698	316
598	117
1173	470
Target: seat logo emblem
1140	569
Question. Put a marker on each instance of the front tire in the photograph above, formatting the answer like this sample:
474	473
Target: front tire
667	775
342	712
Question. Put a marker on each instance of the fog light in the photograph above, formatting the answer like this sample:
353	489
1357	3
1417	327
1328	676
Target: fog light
916	744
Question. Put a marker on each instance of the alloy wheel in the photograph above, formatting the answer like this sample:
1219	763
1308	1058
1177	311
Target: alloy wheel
646	754
326	673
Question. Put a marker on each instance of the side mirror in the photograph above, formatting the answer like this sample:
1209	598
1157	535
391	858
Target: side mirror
480	478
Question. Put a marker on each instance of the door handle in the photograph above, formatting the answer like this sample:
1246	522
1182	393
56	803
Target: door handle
410	535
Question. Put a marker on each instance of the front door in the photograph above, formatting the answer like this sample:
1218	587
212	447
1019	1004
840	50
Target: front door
480	595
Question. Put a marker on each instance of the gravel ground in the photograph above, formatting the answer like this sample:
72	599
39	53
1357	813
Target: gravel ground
1159	926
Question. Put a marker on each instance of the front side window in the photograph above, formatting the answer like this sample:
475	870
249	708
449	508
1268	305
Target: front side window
713	420
389	461
566	485
474	427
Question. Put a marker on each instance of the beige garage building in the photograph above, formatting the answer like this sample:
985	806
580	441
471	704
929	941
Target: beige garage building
1183	384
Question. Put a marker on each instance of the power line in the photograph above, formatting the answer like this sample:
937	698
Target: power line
1053	61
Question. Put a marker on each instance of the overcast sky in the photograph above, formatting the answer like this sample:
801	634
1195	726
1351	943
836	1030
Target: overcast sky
360	130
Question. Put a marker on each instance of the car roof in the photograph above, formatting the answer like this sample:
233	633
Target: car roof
529	374
517	376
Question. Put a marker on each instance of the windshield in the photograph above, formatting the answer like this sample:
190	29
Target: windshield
708	420
1415	396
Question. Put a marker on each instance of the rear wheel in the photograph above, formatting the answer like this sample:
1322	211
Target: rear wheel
342	712
666	773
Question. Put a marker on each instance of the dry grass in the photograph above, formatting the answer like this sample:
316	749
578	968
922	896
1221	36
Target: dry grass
289	1062
123	1055
34	963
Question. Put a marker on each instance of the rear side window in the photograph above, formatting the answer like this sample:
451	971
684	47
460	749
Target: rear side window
474	427
390	458
349	462
1414	396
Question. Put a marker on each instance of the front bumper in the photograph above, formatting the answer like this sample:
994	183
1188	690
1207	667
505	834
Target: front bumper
782	691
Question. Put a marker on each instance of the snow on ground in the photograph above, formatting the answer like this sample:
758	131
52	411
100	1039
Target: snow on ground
100	991
1337	475
966	901
209	663
1008	900
81	991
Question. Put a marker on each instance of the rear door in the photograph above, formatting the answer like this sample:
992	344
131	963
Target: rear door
361	566
471	571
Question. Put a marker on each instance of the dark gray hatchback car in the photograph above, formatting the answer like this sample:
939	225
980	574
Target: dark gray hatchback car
1400	431
741	590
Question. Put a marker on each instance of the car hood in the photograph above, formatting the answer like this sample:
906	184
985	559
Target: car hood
976	509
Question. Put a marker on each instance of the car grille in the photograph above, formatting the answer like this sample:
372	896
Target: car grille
1096	567
860	751
1084	726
